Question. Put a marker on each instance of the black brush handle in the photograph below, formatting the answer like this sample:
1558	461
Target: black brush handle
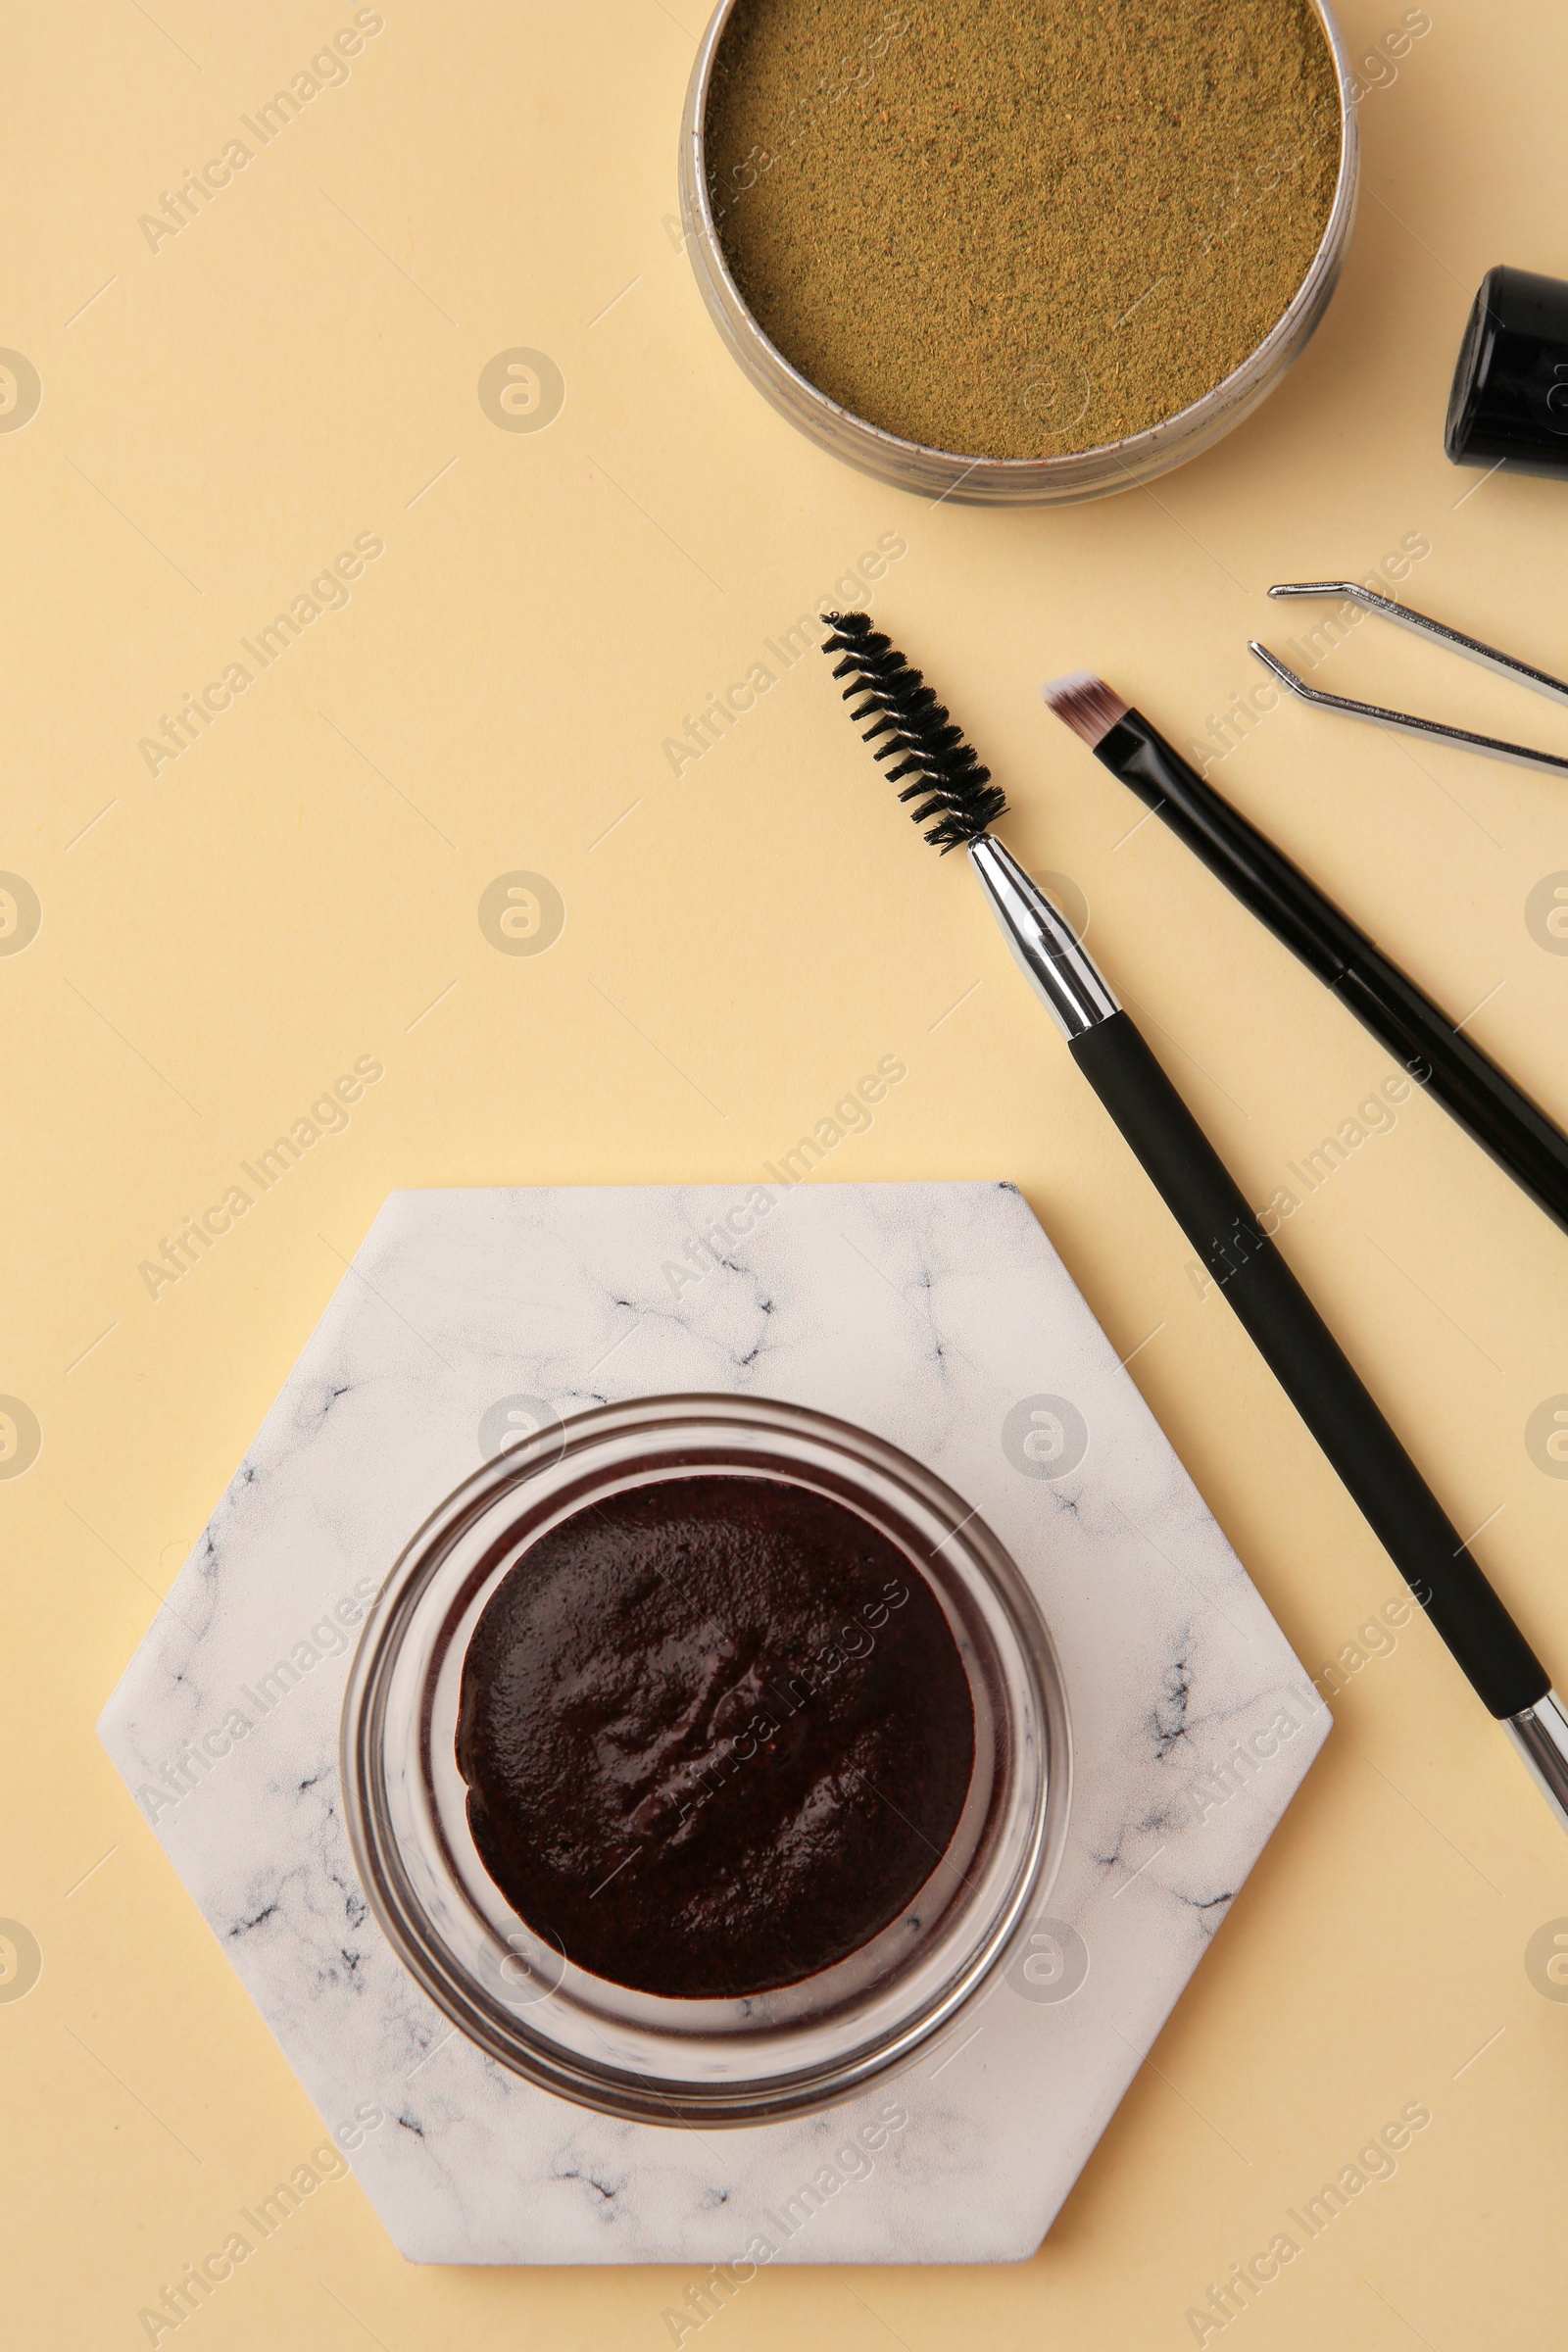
1496	1112
1310	1366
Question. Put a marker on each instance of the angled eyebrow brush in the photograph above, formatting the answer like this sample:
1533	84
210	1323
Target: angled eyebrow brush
942	776
1472	1087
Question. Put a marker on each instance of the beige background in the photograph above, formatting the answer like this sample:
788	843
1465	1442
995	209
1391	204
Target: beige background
298	365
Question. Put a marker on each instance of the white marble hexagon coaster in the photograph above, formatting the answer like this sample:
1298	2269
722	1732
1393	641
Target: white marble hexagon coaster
936	1314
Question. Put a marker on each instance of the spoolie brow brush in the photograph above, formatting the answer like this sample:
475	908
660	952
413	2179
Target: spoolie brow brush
941	775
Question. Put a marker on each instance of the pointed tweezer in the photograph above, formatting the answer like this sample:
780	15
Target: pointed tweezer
1520	673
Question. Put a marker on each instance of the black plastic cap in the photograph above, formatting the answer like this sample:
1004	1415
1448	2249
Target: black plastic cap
1511	387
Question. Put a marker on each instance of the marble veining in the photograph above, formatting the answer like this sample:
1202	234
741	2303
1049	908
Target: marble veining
925	1312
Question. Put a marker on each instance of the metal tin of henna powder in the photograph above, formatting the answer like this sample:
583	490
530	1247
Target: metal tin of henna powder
1062	472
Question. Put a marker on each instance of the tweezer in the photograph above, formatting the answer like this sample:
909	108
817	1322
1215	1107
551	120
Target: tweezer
1350	592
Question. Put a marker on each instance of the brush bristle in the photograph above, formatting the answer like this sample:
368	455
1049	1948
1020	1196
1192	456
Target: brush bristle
947	779
1086	704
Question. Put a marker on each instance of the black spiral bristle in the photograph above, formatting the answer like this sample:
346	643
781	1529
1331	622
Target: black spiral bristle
949	781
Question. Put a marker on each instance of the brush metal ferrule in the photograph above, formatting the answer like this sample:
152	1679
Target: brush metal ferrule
1061	971
1540	1735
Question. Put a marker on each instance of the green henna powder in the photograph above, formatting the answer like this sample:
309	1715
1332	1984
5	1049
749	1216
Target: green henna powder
1016	227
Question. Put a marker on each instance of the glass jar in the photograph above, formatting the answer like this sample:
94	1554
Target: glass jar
509	1988
1058	480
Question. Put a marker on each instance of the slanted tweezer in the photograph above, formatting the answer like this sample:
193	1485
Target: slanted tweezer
1352	592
